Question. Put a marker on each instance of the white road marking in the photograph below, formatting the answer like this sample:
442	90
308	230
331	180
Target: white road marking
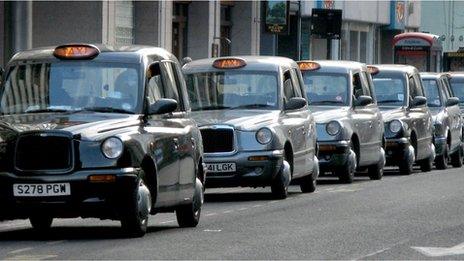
257	206
344	190
441	251
20	250
227	211
31	257
169	221
212	230
55	242
211	214
241	209
376	252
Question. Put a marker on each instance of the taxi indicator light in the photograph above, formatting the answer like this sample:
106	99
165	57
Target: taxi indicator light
76	51
372	70
308	66
229	63
102	178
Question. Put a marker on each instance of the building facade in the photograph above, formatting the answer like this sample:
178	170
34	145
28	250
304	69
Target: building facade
200	29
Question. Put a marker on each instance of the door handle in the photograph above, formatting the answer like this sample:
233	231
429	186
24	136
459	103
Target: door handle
176	143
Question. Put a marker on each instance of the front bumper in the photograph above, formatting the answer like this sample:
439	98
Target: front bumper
248	173
397	150
87	199
440	145
333	154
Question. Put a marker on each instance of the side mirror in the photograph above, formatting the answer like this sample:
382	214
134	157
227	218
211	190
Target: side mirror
295	103
418	101
162	106
452	101
363	100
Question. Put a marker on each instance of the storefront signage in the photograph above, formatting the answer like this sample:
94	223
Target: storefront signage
397	15
277	17
326	4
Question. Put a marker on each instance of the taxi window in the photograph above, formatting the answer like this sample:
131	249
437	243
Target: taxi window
296	83
390	89
326	88
446	88
457	86
232	89
358	89
289	89
71	86
432	92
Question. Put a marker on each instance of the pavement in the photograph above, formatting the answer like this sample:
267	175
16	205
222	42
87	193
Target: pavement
399	217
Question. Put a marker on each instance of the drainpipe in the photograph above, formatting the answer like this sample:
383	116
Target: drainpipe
21	25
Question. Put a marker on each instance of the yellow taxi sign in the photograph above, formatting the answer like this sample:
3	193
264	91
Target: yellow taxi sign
372	70
308	66
229	63
76	51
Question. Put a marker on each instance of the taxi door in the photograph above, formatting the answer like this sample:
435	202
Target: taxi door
365	121
453	114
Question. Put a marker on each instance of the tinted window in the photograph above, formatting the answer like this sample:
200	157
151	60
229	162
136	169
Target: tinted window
289	89
357	85
326	88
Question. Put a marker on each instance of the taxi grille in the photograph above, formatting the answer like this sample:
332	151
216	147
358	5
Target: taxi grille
217	140
36	152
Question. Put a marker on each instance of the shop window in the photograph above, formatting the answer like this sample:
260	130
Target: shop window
179	29
354	45
124	22
363	47
226	27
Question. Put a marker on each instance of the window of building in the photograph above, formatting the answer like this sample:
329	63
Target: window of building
124	22
354	45
179	29
226	27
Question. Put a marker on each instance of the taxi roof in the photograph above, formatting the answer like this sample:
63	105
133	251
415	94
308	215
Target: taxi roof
432	75
338	66
396	68
456	74
254	63
129	54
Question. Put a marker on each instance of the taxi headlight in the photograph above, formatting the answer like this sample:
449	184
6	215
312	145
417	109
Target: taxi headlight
264	135
395	126
112	147
333	128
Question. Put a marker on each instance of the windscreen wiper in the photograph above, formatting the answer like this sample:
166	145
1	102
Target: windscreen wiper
251	106
106	109
388	101
47	110
325	102
212	107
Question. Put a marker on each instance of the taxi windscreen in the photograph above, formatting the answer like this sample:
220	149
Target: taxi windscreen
70	86
326	88
389	89
432	92
232	90
457	85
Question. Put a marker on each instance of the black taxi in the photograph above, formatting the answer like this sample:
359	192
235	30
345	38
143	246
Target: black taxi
98	131
446	117
255	123
408	121
350	132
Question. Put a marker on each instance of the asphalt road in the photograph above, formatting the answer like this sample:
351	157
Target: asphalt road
398	217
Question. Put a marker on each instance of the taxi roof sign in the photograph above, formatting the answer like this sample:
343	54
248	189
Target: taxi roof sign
229	63
308	66
372	70
76	51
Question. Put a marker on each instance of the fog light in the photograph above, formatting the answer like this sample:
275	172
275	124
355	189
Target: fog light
102	178
389	152
258	170
327	157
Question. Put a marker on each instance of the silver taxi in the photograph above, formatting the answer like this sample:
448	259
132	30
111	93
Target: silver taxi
255	123
408	121
446	117
350	131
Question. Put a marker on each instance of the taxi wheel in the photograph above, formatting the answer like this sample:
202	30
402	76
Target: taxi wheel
279	186
456	158
426	164
441	161
406	167
189	215
346	173
375	172
135	220
308	183
41	223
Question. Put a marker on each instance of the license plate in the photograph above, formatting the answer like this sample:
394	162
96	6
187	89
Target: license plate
41	190
221	167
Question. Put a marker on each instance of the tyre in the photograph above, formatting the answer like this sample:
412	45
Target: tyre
308	183
375	171
456	158
41	223
134	221
345	173
406	166
441	161
426	164
279	185
189	215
